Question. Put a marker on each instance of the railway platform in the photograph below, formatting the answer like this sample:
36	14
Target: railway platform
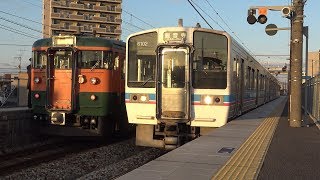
257	145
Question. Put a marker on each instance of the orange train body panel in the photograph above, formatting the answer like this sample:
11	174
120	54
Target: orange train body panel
108	80
40	73
61	97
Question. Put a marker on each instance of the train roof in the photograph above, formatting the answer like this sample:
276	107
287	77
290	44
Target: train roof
83	41
177	28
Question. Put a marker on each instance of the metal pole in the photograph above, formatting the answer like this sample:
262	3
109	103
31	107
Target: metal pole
296	61
306	34
311	68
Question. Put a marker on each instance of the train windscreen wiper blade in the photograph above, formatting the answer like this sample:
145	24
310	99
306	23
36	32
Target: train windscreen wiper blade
95	65
144	83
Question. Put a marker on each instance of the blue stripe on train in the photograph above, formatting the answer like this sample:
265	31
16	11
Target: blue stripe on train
194	97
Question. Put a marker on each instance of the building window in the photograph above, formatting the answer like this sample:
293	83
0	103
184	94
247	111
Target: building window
112	8
55	10
112	18
112	28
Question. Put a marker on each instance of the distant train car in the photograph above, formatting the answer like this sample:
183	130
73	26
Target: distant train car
181	81
77	85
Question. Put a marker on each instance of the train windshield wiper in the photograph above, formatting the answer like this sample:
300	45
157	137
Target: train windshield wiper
95	65
145	82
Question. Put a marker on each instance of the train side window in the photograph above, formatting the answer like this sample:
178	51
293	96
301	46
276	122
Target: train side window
123	67
116	61
39	59
108	60
248	78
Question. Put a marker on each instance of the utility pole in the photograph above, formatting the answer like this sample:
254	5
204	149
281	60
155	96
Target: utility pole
296	64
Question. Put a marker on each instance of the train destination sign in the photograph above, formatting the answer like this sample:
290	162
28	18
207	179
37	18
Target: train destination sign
174	35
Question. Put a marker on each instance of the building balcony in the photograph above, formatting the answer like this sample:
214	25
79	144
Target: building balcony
82	7
55	15
111	1
100	8
55	26
76	17
100	19
99	30
81	18
76	6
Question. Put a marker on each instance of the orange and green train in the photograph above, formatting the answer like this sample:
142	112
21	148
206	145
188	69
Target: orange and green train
77	85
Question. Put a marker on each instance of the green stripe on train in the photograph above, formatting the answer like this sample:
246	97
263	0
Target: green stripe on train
103	105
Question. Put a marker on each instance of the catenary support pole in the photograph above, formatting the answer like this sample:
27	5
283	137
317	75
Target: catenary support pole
296	64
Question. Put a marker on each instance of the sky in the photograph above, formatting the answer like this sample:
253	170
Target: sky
138	15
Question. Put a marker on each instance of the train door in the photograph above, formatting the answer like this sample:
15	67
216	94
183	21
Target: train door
257	87
60	84
173	84
240	88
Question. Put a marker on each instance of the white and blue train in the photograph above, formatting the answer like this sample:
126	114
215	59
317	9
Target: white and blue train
180	81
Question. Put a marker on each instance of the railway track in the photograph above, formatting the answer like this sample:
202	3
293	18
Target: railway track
44	153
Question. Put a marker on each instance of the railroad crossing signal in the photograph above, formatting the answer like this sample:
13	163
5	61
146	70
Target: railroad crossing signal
262	18
263	11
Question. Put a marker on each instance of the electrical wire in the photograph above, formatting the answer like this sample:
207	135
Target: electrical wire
200	14
138	18
17	31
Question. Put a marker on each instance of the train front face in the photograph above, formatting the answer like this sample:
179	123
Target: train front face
80	95
176	83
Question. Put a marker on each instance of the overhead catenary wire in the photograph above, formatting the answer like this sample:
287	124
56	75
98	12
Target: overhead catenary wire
138	18
200	14
15	44
19	24
250	52
17	31
31	3
23	18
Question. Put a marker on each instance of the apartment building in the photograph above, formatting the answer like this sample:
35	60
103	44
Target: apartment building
69	16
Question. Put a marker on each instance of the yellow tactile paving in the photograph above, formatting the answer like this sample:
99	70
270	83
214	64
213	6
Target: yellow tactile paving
248	159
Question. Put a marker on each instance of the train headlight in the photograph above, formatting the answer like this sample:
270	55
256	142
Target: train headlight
144	98
94	80
208	100
139	98
81	79
93	97
36	80
217	99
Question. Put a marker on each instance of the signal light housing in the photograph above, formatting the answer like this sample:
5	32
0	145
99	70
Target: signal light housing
251	19
286	12
262	19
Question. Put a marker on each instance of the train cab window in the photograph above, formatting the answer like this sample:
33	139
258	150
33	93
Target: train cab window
90	59
142	60
39	59
63	59
209	69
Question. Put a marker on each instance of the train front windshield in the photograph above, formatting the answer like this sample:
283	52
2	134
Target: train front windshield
209	69
142	60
